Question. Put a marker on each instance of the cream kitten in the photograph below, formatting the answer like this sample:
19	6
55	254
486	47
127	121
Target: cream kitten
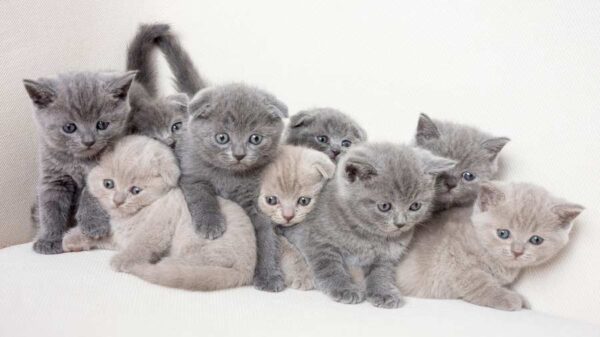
475	253
151	225
289	191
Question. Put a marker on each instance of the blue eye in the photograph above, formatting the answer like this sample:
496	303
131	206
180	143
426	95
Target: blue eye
135	190
101	125
271	200
304	201
503	234
108	184
176	127
69	128
536	240
415	206
222	138
346	143
468	176
384	206
323	139
255	139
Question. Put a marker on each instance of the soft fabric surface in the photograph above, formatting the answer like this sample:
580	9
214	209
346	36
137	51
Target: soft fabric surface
77	294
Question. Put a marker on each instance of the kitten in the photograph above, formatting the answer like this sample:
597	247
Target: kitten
327	130
474	253
476	153
78	115
365	219
233	133
289	190
152	227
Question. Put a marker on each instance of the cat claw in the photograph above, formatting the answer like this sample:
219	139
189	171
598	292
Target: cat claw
43	246
272	283
348	295
387	301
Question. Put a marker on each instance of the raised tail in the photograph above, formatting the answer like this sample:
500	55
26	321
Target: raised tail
172	273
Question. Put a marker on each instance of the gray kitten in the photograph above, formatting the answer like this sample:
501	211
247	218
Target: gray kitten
79	115
233	133
475	253
365	219
327	130
476	153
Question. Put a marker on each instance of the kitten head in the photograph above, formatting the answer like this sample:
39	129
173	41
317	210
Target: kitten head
163	119
389	188
291	184
81	113
132	176
475	151
327	130
235	127
521	224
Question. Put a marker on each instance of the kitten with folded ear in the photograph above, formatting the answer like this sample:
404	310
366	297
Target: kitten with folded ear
324	129
233	133
475	151
476	253
366	219
289	191
151	226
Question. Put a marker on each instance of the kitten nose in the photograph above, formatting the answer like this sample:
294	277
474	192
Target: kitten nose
118	202
288	214
335	152
88	142
451	182
399	225
518	253
170	142
288	218
239	157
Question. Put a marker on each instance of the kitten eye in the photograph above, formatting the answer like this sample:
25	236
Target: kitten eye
255	139
415	206
135	190
323	139
468	176
69	128
503	234
271	200
536	240
176	127
346	143
304	201
101	125
222	138
108	184
384	206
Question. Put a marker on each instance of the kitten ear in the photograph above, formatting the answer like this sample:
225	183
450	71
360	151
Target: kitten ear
489	195
41	94
355	168
324	166
426	129
434	165
302	118
180	101
277	108
201	105
567	212
495	145
119	87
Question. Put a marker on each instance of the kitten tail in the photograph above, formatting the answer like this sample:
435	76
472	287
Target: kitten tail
139	55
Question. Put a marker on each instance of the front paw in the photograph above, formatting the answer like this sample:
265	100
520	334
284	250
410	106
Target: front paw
210	226
122	263
303	282
507	300
273	282
95	232
387	300
44	246
349	295
75	241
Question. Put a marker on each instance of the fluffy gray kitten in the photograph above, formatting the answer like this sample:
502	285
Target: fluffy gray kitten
475	151
233	133
78	115
327	130
365	218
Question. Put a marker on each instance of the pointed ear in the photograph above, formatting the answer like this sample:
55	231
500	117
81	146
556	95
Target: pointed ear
119	87
276	107
489	195
357	169
302	118
201	104
180	101
567	212
41	94
324	165
426	129
434	165
495	145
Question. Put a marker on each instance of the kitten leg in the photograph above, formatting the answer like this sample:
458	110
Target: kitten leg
91	217
297	273
203	205
480	288
55	202
381	286
267	275
75	241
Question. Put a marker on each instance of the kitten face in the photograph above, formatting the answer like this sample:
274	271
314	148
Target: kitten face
235	127
522	225
291	184
475	151
81	113
135	174
327	130
389	188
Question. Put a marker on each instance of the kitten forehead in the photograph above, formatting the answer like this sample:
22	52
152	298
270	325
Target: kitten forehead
292	172
333	122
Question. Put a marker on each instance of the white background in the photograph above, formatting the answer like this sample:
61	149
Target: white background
526	70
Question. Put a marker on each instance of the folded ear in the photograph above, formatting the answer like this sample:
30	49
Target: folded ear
201	104
42	95
426	129
358	169
302	118
567	212
276	107
494	145
323	165
180	101
432	164
490	195
119	87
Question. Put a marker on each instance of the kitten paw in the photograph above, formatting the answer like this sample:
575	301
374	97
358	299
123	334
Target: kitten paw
122	263
509	300
211	227
75	241
350	295
305	282
95	232
272	283
387	301
43	246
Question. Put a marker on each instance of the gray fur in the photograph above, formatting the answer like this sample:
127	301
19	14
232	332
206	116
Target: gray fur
210	169
306	126
84	99
346	229
476	152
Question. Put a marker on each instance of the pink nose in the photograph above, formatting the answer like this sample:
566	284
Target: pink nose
288	218
517	254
